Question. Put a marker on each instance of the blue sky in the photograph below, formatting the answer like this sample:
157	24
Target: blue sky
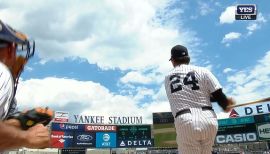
109	58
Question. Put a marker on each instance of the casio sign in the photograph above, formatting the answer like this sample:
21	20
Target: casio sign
236	138
84	137
264	131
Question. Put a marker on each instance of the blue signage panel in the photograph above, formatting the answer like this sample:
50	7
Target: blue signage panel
84	139
135	143
261	118
236	121
234	129
105	140
67	127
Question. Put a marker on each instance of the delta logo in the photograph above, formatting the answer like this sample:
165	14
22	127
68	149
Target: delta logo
233	114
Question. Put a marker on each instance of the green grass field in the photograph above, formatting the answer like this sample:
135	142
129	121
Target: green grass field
164	135
160	126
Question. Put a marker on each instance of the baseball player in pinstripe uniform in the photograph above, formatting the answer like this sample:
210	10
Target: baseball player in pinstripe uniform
11	134
189	90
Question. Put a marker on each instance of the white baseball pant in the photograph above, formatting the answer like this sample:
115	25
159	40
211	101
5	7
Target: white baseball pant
196	131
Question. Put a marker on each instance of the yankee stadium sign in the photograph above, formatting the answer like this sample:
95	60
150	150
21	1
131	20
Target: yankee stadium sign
84	119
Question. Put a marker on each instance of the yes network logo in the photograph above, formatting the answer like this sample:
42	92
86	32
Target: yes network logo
246	12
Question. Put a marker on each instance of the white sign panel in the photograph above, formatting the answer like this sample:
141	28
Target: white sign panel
251	110
263	131
236	138
61	116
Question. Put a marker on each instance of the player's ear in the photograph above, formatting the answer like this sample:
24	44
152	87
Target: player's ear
10	51
173	62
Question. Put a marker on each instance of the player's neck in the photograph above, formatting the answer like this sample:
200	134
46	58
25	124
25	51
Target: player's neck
176	65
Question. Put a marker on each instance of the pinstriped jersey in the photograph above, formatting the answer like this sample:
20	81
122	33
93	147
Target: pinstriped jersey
6	90
190	86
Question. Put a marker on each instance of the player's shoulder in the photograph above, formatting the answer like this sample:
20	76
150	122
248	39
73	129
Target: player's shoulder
4	71
5	74
197	68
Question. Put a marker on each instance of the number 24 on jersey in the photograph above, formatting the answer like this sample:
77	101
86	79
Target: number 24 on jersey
176	84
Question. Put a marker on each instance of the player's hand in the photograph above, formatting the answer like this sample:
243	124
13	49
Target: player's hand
229	107
37	136
29	118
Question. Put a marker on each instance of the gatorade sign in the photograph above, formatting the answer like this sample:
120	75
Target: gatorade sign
263	131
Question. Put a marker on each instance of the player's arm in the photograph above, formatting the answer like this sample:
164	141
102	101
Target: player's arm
222	100
216	92
13	122
12	137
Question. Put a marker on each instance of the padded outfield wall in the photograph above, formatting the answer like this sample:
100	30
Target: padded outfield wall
70	135
232	130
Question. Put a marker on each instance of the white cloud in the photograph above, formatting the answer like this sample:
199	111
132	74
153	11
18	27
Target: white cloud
205	8
228	16
251	84
128	35
231	36
142	93
136	77
27	68
256	24
111	34
158	107
252	27
209	67
222	115
227	70
139	77
84	97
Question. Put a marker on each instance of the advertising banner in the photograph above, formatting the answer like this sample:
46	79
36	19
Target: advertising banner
263	131
61	116
163	118
84	139
135	143
236	121
105	140
100	128
134	132
236	138
60	139
235	129
262	118
250	110
67	127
